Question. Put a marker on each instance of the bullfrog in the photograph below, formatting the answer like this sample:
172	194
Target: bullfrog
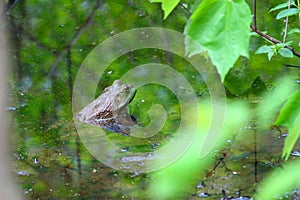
110	110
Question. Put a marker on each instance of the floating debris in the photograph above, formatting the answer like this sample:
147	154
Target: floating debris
200	185
10	108
203	195
295	153
35	161
22	173
142	13
125	149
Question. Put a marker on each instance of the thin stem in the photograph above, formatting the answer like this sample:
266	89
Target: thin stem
298	6
255	156
294	66
286	23
254	14
185	8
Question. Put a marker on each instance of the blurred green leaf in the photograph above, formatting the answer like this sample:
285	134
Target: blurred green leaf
225	39
271	54
294	30
167	5
287	12
174	179
291	139
290	110
274	99
289	116
280	6
263	49
281	180
286	53
281	45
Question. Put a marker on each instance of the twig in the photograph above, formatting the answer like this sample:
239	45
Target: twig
286	23
254	14
75	38
295	66
220	160
273	40
185	8
298	6
255	155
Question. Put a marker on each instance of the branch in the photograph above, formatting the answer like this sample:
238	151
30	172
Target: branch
185	8
254	14
295	66
286	23
273	40
75	38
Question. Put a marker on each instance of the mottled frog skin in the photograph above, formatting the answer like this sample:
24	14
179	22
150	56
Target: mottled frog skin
110	110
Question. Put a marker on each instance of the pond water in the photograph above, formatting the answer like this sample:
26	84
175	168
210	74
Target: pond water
49	42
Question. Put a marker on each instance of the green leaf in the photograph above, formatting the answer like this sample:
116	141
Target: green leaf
278	46
290	141
283	5
287	12
294	30
281	45
270	50
270	55
279	182
222	28
286	53
289	111
190	45
290	116
288	43
263	49
273	100
167	5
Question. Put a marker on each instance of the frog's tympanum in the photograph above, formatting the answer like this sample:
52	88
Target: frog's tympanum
110	110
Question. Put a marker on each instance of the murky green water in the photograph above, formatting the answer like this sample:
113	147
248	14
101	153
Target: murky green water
50	40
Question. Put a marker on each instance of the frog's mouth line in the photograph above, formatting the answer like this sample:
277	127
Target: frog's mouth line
132	97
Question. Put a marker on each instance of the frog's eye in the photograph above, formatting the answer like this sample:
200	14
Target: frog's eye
127	88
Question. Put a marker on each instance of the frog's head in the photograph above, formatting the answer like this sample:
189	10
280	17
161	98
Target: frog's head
114	99
125	94
110	109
